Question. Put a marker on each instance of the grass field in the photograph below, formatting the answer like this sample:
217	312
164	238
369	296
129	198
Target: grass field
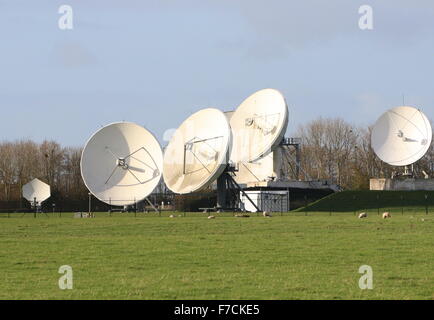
290	257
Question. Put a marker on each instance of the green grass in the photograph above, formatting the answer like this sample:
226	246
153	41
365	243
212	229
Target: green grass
350	201
291	257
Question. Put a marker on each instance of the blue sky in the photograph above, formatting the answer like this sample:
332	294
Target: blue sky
156	62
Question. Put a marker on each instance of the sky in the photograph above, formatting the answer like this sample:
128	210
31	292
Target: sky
155	62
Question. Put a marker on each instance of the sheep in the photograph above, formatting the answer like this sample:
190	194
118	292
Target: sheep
386	215
171	216
363	215
78	215
211	217
266	214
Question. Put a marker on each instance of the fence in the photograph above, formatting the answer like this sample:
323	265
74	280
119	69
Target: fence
374	202
342	203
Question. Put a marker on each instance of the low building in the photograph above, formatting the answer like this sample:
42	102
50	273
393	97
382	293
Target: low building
265	200
408	184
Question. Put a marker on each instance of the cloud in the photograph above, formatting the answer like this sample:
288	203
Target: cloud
279	27
73	55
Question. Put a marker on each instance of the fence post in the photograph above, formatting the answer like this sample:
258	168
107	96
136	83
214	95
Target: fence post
402	205
426	204
354	201
288	208
378	204
110	208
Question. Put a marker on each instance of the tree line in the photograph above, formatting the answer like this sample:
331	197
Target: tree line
331	149
22	161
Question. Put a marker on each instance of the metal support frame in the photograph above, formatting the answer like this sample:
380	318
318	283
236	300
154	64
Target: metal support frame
408	172
296	144
227	183
152	205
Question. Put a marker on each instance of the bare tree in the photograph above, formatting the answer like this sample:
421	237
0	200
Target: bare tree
7	169
328	149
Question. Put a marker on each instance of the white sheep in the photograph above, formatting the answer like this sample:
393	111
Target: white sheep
266	214
211	217
386	215
363	215
171	216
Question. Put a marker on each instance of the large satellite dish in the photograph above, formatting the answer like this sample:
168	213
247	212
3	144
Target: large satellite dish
36	191
401	136
122	163
258	125
197	154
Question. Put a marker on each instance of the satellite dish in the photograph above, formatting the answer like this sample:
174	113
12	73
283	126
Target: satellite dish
198	151
258	125
401	136
36	191
122	163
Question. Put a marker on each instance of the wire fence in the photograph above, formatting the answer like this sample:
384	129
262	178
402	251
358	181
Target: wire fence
163	205
395	211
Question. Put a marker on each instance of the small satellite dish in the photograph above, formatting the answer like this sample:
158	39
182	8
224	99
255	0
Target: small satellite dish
36	191
258	125
401	136
197	154
122	163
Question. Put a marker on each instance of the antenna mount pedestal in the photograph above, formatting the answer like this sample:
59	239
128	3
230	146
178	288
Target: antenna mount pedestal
228	191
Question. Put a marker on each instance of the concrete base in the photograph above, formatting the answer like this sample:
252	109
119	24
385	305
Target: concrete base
402	184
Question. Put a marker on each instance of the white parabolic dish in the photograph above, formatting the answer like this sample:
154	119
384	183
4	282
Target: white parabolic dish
36	190
258	125
401	136
122	163
197	154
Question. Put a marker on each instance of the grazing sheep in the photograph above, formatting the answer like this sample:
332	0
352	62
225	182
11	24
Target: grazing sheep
211	217
83	215
266	214
78	215
386	215
363	215
171	216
